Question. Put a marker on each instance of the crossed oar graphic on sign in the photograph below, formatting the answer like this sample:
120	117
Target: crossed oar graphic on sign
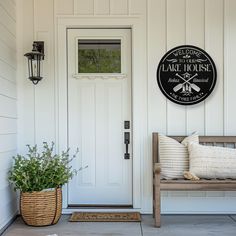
179	86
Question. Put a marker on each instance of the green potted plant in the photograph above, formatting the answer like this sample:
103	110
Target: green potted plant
39	177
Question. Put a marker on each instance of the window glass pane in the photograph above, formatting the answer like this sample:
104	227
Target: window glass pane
99	56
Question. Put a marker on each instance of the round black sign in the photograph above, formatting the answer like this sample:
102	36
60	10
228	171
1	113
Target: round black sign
186	75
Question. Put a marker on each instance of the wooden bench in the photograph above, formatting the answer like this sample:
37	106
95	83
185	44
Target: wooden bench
182	184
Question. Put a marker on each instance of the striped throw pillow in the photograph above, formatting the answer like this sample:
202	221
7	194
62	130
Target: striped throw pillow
212	162
174	156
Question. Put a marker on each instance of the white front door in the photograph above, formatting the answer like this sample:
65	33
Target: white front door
99	103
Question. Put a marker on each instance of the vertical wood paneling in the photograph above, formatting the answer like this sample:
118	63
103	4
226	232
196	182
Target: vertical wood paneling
82	7
229	67
45	105
176	14
61	95
119	7
43	17
214	46
156	49
64	7
26	97
101	7
138	7
195	35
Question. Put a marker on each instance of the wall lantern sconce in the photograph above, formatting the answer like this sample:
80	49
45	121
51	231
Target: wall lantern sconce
34	61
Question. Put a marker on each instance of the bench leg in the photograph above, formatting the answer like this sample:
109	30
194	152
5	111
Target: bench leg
153	202
157	209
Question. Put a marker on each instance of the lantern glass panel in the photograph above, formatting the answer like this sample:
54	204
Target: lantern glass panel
35	69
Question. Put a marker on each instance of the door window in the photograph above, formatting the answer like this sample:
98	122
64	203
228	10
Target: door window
99	56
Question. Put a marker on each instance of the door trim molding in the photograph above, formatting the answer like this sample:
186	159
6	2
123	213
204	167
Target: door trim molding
141	162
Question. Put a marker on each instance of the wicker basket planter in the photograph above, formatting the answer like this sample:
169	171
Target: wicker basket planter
41	208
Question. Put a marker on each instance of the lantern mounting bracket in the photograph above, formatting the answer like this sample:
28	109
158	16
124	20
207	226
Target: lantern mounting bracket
40	46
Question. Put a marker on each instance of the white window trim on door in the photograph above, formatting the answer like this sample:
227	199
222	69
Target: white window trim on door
121	75
142	163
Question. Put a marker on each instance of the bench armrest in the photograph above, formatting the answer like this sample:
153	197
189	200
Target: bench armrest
157	168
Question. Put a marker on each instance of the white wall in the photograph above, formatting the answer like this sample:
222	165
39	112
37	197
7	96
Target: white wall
209	24
8	107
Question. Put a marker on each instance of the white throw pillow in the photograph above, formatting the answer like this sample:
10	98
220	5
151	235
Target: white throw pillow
174	156
212	162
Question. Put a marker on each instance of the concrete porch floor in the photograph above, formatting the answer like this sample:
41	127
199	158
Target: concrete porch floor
172	225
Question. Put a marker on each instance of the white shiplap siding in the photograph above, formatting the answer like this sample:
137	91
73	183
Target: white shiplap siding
8	108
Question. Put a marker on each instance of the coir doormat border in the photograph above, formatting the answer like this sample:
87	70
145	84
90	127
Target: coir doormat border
105	217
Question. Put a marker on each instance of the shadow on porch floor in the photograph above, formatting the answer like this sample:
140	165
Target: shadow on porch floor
172	225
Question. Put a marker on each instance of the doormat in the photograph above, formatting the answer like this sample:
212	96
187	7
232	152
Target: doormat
105	217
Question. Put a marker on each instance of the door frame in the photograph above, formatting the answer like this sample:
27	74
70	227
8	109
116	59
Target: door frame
141	161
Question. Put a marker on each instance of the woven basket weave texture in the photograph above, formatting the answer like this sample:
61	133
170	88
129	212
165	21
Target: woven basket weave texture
41	208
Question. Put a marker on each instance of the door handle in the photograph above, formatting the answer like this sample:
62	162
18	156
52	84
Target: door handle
127	142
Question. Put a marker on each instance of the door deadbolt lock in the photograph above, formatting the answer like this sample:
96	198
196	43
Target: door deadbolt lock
127	124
